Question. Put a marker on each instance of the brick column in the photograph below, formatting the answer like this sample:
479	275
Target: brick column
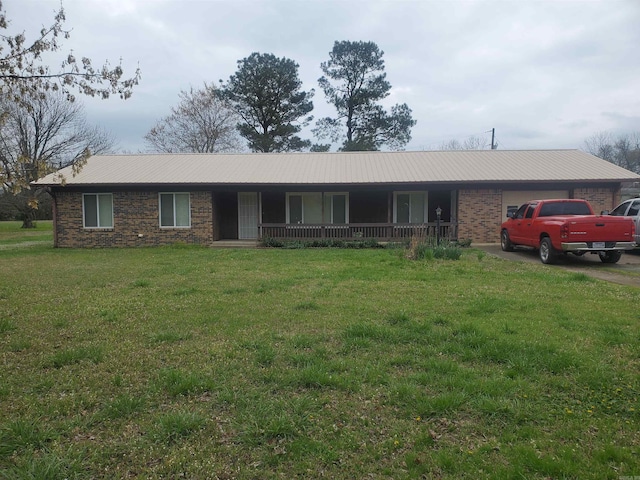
479	213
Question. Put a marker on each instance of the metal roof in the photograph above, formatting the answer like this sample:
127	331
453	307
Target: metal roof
346	168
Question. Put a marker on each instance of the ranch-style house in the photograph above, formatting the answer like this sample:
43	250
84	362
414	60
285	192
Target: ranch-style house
156	199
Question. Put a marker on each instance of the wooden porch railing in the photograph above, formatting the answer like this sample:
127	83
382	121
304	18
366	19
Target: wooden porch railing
357	231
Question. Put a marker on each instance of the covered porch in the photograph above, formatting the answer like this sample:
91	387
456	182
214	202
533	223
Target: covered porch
336	213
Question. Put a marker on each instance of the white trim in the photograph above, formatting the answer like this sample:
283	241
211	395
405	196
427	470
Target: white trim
84	217
173	196
424	193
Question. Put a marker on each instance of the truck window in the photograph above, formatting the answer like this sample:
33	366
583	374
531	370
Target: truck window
635	208
529	213
620	210
520	212
564	208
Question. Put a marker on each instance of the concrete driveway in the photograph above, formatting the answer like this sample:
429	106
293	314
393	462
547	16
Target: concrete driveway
625	272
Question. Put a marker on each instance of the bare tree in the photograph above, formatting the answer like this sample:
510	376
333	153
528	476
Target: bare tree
23	71
470	143
201	123
38	135
622	150
39	130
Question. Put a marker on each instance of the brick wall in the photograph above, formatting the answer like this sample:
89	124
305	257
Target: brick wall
135	222
479	213
136	213
599	198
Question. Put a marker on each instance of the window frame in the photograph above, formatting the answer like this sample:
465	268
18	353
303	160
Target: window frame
84	212
326	217
425	213
302	213
331	195
173	196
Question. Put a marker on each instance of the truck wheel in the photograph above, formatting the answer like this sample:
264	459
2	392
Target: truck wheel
611	256
505	242
548	254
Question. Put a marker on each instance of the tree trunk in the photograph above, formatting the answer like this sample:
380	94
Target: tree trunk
28	218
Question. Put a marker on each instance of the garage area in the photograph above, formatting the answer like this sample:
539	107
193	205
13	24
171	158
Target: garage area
512	199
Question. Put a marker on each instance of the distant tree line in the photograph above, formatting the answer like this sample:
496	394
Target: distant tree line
265	100
622	150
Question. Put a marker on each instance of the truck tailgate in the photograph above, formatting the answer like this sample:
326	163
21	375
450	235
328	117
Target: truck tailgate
602	229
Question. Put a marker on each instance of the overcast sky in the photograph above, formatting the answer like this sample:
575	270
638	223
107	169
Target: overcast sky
544	74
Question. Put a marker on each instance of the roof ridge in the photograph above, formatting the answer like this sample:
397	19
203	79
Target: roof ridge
356	153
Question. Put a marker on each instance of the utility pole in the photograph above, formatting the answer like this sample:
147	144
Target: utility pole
493	136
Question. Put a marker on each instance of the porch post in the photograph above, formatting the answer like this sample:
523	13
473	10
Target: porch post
389	215
259	215
322	232
54	209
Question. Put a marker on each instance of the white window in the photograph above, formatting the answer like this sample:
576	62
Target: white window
336	208
97	210
304	208
410	207
175	210
317	208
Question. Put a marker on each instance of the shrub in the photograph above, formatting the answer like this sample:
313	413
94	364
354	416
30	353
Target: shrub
464	243
271	242
320	243
426	248
448	252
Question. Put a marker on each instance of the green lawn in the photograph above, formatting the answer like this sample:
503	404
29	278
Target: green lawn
204	363
12	235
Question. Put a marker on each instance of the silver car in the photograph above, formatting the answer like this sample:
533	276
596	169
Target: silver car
630	208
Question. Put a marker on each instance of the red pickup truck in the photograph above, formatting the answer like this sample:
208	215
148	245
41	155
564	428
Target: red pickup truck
567	226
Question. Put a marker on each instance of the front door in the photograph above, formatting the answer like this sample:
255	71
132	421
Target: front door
247	215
